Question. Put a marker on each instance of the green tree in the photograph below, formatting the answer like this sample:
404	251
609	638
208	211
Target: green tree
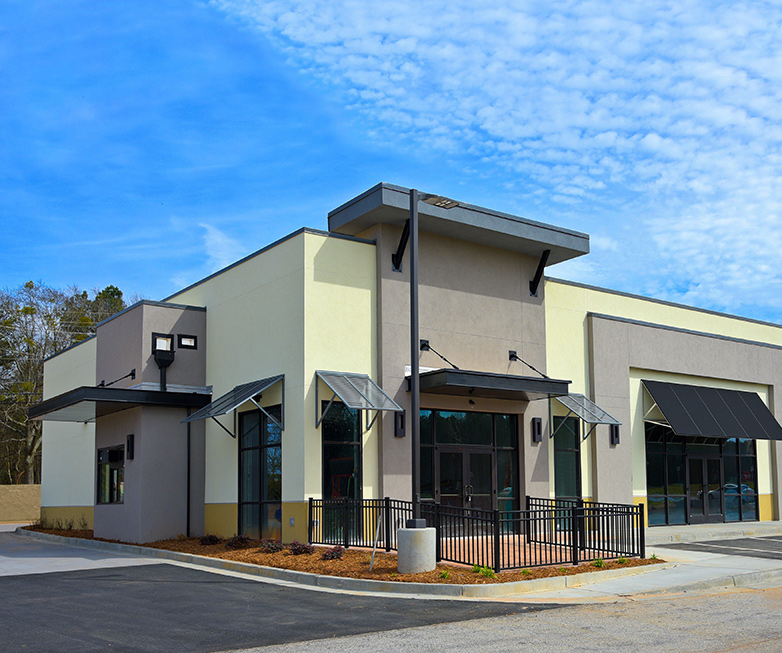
36	322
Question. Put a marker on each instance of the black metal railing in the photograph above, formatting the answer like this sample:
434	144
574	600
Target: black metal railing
548	532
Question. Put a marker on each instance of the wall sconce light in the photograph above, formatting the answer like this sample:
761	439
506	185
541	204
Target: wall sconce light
537	429
399	424
163	353
130	449
614	431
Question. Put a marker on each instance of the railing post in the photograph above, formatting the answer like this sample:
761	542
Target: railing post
387	522
497	561
574	534
345	522
309	523
438	546
641	530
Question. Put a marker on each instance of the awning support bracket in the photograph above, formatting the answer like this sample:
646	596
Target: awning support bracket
396	257
233	435
533	285
318	420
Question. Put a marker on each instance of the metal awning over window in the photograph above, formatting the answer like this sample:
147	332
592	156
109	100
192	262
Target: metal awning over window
232	399
692	410
587	411
87	403
489	385
356	391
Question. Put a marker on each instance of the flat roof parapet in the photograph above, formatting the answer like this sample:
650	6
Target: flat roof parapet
389	204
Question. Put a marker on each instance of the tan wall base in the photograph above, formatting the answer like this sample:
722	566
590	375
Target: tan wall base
641	501
221	519
299	512
78	516
20	503
765	507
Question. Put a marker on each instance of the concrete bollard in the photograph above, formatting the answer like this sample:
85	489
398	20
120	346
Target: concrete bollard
416	551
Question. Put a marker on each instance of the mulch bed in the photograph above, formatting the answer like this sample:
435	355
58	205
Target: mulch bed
355	562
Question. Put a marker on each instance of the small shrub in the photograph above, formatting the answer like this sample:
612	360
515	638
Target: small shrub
394	574
562	570
83	524
181	537
238	542
525	572
57	525
298	548
621	560
599	563
68	524
445	573
334	553
653	556
210	540
484	571
271	546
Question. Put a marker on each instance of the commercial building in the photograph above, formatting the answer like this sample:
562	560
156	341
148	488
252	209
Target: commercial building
225	407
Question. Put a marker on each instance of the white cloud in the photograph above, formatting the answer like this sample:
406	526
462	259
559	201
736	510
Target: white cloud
221	249
668	114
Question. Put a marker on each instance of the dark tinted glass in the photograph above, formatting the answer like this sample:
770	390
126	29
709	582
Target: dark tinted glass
427	427
749	507
507	476
676	510
730	466
675	474
748	473
656	510
250	423
506	429
427	473
566	474
451	481
463	428
273	433
271	521
655	473
341	424
673	443
249	469
747	447
340	471
566	436
250	515
729	447
273	473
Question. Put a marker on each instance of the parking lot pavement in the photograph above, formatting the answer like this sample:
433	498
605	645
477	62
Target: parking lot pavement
21	556
166	607
753	547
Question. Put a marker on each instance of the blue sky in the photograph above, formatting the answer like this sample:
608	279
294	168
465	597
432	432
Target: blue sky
147	144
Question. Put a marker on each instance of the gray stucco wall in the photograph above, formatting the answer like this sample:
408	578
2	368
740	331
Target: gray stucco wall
616	345
475	306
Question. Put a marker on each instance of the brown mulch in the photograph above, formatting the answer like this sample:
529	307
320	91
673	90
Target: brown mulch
355	562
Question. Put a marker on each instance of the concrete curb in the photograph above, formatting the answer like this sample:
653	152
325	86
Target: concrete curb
502	590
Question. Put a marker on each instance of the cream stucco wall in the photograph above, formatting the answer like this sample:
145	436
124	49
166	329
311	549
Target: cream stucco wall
303	304
68	449
568	306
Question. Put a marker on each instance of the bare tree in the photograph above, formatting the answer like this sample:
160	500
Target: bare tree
36	322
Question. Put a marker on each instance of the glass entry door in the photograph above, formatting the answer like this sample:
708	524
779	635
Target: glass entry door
704	481
466	477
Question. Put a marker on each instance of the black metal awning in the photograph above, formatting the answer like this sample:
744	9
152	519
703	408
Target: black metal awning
234	398
87	403
713	412
489	385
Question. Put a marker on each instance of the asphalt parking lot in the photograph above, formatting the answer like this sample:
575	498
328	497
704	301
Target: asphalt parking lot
769	547
163	607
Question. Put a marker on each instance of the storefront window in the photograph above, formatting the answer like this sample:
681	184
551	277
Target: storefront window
111	475
668	485
341	432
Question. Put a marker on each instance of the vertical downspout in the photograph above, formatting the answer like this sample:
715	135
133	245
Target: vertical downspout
187	531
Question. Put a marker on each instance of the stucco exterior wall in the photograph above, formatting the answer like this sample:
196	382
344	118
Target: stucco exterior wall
20	503
68	449
475	306
303	304
607	343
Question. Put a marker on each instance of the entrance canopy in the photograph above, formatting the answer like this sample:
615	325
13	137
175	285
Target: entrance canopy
489	385
356	391
587	411
713	412
232	399
87	403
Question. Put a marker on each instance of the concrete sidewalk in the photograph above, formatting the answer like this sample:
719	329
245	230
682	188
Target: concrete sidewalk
684	571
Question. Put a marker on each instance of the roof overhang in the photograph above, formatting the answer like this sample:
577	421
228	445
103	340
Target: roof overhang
692	410
390	204
489	385
87	403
